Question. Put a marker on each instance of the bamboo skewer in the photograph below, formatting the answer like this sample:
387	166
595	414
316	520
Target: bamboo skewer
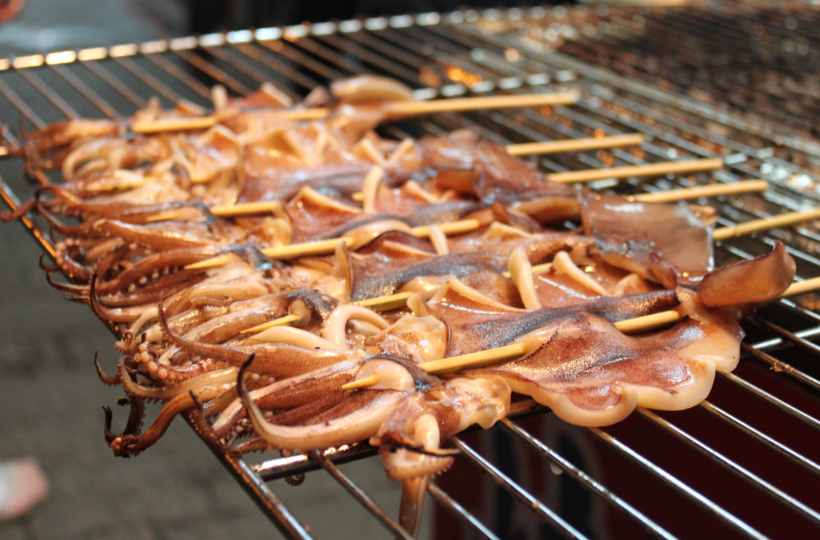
325	247
382	303
720	234
398	300
639	171
744	186
574	145
782	220
265	207
401	108
652	169
509	352
224	210
245	209
801	287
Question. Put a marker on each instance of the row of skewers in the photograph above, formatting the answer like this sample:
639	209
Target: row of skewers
293	281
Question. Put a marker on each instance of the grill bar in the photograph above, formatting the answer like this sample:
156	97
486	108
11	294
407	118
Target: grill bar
52	96
449	504
358	493
115	83
459	59
519	493
148	79
20	105
588	482
778	403
778	365
782	449
736	469
714	509
85	91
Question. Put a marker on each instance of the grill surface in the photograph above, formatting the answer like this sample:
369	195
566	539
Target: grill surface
759	60
743	464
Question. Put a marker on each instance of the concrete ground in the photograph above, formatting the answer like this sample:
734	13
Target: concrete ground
51	399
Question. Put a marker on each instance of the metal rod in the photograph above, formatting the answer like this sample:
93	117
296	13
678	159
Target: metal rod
782	367
589	483
519	493
739	471
270	504
148	79
21	105
53	97
320	69
165	65
114	82
707	504
273	469
761	437
778	403
384	518
458	511
90	95
214	72
275	65
13	203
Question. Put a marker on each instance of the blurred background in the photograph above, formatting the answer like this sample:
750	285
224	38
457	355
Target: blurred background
54	24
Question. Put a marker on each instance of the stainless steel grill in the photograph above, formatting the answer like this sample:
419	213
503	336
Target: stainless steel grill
743	464
756	58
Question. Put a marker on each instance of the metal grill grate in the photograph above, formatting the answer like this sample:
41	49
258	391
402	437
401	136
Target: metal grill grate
734	466
756	58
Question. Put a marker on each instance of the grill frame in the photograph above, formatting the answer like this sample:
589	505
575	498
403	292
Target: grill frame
533	69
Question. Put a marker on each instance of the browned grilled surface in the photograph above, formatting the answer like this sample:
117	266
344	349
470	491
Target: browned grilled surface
742	465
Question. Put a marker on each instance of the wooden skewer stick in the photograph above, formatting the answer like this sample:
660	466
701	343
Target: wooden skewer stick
398	108
509	352
245	209
281	321
382	303
744	186
224	210
567	145
398	300
802	287
652	169
749	227
574	145
324	247
719	234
